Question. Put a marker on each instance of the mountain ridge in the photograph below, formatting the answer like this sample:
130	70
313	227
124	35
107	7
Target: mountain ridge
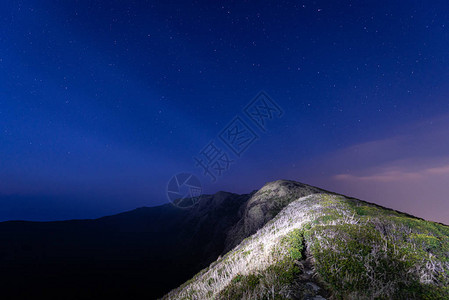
134	253
329	246
148	251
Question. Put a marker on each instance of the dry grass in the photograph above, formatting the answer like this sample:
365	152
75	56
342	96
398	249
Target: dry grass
359	252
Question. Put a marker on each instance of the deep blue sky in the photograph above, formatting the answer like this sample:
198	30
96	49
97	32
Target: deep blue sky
101	102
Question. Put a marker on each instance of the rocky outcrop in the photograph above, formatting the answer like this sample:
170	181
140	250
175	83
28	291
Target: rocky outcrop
325	246
264	205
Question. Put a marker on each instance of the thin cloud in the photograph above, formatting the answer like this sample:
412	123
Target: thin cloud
388	175
405	171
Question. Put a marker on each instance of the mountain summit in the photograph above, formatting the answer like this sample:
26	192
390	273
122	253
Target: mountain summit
305	243
287	240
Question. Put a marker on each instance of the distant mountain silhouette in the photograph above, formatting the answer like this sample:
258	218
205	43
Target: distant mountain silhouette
142	253
287	240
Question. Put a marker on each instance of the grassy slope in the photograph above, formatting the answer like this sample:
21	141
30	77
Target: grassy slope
357	250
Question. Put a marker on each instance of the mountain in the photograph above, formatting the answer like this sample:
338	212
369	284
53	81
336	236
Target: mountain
305	243
139	254
287	240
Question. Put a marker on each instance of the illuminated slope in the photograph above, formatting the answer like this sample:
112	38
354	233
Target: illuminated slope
325	246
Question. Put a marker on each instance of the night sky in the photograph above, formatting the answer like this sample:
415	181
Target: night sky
102	102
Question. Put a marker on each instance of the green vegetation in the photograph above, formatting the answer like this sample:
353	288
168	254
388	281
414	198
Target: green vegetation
358	251
274	278
239	286
295	243
284	272
383	254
